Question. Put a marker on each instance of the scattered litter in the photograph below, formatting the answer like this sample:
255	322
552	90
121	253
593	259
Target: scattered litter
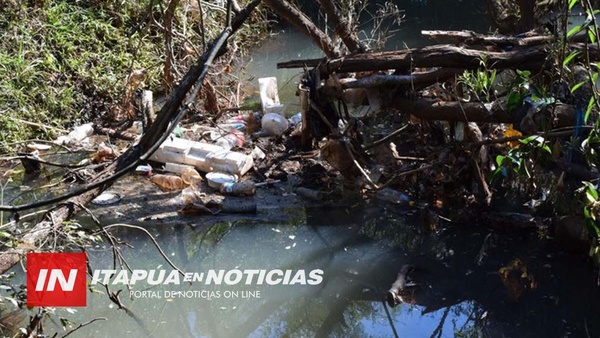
246	188
39	147
274	124
77	135
215	179
167	182
145	170
106	198
269	96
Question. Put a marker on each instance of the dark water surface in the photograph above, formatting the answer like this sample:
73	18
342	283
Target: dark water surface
360	248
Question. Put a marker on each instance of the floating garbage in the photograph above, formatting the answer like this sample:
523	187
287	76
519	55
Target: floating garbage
167	182
393	196
77	135
107	197
188	173
274	124
203	156
246	188
215	179
145	170
311	194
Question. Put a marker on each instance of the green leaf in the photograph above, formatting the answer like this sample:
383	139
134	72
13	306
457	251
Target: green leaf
591	31
547	149
591	190
499	160
575	87
590	198
524	74
589	109
572	3
570	58
514	101
531	138
576	29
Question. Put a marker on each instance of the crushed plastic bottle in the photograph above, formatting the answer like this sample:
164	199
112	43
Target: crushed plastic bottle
295	120
77	135
167	182
233	139
274	124
190	176
393	196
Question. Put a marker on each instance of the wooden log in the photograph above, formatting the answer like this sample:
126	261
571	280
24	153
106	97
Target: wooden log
473	38
383	80
294	16
495	112
450	56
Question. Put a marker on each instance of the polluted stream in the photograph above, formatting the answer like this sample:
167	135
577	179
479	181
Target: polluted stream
326	272
307	269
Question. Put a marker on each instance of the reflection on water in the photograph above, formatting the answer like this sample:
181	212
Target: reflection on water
459	293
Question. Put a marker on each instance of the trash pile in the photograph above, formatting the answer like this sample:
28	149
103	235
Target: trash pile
207	170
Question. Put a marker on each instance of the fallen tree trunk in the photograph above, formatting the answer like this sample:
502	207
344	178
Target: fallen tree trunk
473	38
433	56
495	112
169	114
450	56
422	79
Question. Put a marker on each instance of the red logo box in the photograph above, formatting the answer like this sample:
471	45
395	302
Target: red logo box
56	279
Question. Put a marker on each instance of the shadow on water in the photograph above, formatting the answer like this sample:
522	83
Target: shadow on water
360	248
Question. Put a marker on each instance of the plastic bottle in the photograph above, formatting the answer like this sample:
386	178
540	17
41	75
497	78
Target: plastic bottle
190	176
246	188
295	120
78	134
274	124
167	182
231	126
234	139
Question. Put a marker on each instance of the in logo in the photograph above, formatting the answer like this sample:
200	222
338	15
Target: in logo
56	279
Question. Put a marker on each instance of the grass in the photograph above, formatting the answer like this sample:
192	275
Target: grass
64	63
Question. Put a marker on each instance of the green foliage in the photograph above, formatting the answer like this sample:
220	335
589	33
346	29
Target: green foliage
479	83
521	160
56	61
67	62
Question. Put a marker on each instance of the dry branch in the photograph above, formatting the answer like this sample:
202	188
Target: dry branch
342	27
291	14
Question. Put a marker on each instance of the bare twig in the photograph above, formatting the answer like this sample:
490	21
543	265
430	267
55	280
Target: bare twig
385	138
162	253
83	325
359	167
404	173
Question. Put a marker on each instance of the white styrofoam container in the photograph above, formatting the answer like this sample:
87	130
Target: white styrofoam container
203	156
